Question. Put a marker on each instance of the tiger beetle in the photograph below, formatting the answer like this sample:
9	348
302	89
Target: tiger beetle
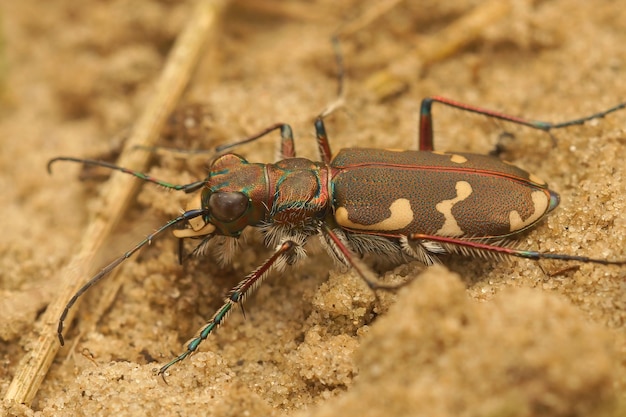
459	203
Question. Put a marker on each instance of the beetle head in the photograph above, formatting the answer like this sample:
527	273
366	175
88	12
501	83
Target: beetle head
233	198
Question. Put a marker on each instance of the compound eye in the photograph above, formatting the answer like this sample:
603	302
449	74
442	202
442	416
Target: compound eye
227	207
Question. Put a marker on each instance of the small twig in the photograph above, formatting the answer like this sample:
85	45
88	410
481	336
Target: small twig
119	193
435	48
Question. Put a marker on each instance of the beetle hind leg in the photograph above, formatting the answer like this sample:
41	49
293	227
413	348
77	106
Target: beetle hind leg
488	248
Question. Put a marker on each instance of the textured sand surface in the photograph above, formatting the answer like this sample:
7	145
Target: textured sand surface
473	338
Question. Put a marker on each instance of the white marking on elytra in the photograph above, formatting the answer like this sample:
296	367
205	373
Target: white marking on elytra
450	226
540	201
457	159
401	216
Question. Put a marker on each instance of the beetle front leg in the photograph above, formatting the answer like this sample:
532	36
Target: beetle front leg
236	296
287	147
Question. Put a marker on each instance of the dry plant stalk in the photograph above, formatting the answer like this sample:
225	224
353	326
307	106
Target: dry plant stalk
438	47
120	190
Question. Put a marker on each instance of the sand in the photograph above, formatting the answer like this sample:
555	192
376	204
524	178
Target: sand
469	338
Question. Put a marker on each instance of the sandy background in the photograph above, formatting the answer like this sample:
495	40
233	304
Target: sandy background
491	339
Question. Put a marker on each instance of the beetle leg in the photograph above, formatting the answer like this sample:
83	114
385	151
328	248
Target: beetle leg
320	129
499	249
236	296
287	147
426	142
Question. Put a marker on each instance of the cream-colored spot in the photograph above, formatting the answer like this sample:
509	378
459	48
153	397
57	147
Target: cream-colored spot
457	159
540	201
536	179
401	216
450	226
